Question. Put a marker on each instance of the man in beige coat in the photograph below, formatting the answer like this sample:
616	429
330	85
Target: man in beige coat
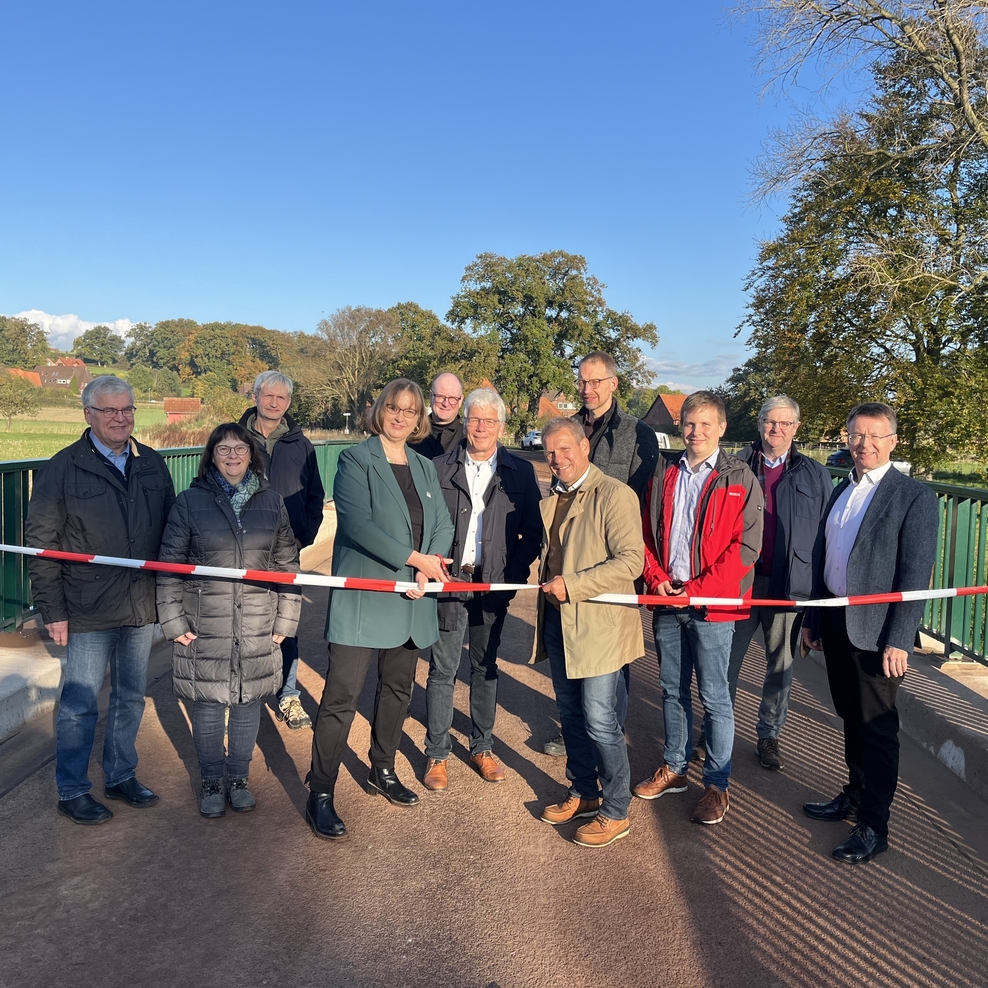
593	545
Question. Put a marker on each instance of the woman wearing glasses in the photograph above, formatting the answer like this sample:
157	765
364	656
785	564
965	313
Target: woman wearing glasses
227	633
392	524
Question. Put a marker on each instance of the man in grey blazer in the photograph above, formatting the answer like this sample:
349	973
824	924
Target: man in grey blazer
879	535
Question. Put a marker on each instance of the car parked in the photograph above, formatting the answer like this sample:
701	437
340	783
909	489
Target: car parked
532	440
841	460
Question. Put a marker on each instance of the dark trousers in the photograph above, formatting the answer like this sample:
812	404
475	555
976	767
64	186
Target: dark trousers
348	665
225	746
865	699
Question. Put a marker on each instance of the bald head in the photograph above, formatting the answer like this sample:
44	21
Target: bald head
445	398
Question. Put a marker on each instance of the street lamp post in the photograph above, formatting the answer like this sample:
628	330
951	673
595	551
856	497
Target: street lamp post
346	423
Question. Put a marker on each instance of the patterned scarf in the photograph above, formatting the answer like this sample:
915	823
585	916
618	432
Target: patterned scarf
240	494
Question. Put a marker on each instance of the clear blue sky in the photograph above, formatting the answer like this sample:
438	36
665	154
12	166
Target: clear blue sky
269	163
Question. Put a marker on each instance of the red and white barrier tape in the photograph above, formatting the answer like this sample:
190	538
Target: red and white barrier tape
397	586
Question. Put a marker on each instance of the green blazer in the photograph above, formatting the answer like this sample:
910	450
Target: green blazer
373	539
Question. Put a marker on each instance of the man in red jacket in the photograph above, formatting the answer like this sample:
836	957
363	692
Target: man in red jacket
703	533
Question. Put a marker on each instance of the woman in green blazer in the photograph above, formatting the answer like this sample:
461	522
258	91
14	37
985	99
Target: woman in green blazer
391	524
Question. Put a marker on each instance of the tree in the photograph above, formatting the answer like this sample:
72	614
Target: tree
22	344
876	286
17	397
219	397
426	347
545	311
157	346
360	341
151	382
100	344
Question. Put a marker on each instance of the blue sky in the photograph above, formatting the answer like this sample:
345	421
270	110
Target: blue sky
270	163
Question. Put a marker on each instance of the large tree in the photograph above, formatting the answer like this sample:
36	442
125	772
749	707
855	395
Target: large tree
17	397
22	344
99	344
546	312
876	286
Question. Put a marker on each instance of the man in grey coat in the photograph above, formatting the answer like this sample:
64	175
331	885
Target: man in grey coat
621	447
879	535
104	495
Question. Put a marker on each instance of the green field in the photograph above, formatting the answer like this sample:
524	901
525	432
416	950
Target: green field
34	437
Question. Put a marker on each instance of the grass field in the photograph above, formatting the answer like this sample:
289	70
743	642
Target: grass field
34	437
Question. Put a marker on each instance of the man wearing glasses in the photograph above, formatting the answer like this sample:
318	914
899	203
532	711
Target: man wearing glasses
621	447
796	490
493	499
445	399
104	495
879	535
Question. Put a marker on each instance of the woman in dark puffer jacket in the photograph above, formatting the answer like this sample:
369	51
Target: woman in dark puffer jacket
227	632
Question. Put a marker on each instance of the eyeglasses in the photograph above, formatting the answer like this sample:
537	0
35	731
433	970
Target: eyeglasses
408	413
593	384
127	412
778	425
856	438
476	423
239	449
446	399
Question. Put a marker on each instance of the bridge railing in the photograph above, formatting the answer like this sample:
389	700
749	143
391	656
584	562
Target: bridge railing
16	482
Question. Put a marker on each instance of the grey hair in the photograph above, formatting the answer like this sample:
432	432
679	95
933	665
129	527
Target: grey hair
874	410
105	384
273	377
779	401
572	425
485	398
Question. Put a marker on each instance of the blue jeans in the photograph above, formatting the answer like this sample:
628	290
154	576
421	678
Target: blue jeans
126	650
595	744
776	624
289	669
484	641
684	642
209	729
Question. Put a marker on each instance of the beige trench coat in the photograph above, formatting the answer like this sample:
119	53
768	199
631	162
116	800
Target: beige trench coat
603	552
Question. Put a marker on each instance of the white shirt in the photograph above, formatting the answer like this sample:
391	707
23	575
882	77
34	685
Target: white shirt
771	464
479	474
843	524
685	501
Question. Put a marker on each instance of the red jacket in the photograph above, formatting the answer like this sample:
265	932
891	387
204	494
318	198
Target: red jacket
727	538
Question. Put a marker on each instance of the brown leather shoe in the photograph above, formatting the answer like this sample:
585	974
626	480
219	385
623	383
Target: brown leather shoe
664	780
435	777
713	806
571	808
601	831
490	769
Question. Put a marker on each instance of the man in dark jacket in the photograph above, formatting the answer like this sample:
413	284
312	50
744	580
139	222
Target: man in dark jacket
292	472
703	532
796	490
445	398
104	495
621	447
879	535
493	499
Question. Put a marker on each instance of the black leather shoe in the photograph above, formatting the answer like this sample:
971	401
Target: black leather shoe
84	809
321	816
861	845
132	793
839	808
384	781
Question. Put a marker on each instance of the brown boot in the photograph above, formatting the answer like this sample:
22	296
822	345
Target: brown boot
490	769
602	831
713	806
571	808
435	777
664	780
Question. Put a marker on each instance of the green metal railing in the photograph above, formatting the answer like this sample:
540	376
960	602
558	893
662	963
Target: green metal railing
17	479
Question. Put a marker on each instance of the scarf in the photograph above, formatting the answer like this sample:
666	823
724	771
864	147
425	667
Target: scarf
240	494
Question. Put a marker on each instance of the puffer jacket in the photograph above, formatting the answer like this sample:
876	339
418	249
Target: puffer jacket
727	537
232	659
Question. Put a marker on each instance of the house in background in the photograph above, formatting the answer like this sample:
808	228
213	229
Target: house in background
62	372
32	377
179	409
664	415
553	404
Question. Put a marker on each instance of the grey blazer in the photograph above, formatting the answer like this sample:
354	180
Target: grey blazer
894	550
